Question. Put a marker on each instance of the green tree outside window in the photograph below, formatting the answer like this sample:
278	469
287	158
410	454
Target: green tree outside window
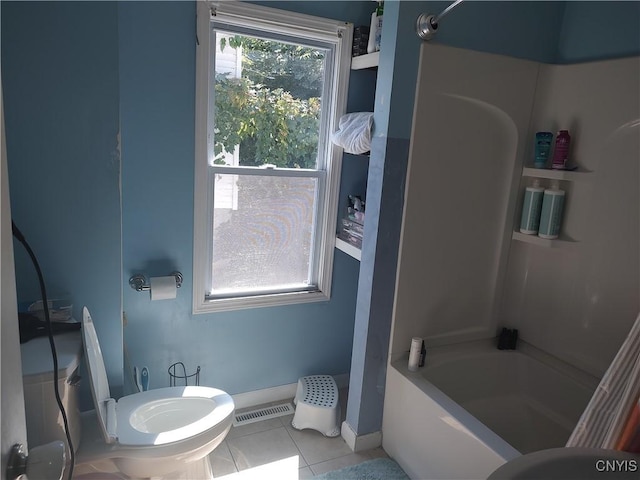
273	111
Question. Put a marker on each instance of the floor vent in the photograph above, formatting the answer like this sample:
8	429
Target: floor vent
273	411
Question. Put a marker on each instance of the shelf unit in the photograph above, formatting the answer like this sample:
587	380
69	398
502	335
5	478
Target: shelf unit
370	60
361	62
565	175
348	248
544	242
577	175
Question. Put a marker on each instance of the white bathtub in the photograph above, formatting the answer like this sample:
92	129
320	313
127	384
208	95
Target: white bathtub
473	407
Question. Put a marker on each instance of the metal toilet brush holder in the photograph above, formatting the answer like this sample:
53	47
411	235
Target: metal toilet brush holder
178	374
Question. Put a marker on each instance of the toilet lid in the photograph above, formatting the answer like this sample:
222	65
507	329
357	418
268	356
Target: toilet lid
105	405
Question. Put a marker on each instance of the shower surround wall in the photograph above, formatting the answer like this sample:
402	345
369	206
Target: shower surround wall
576	299
463	271
579	301
470	120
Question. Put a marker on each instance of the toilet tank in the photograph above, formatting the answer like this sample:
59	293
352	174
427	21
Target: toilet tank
44	420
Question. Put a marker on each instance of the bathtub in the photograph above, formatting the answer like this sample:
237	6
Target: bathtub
472	408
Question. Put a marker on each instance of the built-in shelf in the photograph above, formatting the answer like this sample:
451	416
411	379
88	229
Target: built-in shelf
578	175
567	175
544	242
370	60
348	248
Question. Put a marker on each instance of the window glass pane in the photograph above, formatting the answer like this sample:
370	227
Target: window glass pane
268	100
262	233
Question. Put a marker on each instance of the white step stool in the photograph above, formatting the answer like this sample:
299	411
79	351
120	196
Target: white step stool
317	405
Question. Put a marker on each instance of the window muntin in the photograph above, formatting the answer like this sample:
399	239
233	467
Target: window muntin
270	208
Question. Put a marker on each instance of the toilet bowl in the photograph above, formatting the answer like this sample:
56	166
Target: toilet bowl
151	433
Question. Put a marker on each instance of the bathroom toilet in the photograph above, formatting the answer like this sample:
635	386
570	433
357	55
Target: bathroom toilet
152	433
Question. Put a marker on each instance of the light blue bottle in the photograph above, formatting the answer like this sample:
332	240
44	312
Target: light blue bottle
531	208
551	216
542	149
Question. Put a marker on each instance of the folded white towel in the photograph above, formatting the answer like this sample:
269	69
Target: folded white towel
354	132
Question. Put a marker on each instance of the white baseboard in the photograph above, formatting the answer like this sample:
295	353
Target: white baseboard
277	394
358	443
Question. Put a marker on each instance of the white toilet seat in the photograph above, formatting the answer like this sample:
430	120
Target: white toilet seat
191	411
155	432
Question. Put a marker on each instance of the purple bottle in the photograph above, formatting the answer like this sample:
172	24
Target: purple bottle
561	152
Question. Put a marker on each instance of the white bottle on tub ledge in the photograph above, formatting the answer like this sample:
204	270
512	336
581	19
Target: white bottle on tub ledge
414	354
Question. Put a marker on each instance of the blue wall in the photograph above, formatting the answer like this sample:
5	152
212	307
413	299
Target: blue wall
73	73
60	82
599	30
76	72
237	351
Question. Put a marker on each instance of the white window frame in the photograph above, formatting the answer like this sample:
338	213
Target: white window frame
303	27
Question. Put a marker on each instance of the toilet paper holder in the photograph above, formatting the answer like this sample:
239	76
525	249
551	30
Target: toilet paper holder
139	282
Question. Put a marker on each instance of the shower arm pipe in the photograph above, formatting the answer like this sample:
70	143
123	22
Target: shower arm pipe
427	23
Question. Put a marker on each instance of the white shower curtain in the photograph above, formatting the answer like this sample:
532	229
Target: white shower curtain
611	409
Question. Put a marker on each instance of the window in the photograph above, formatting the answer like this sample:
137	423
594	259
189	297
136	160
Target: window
270	87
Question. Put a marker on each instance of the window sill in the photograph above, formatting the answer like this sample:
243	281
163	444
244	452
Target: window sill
258	301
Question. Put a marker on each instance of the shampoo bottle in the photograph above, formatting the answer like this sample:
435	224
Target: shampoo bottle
551	216
375	30
561	152
542	149
379	15
531	208
371	44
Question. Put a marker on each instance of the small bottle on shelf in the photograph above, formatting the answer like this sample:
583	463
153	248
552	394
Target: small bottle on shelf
375	32
379	17
542	149
561	152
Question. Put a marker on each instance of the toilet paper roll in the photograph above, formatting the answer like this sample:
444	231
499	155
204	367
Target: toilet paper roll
163	288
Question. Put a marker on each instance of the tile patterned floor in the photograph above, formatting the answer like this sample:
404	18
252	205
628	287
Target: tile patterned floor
272	448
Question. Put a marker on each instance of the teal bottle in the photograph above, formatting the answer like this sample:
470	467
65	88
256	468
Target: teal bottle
531	208
551	216
542	149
